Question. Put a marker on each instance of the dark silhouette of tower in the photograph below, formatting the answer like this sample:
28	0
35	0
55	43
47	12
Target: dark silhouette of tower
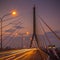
34	28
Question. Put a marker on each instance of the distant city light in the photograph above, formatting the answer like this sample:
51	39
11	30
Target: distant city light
16	34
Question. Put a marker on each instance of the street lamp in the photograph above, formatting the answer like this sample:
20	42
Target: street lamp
27	33
51	47
1	18
14	13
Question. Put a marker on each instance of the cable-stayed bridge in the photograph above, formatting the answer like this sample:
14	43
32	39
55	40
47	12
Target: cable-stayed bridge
25	46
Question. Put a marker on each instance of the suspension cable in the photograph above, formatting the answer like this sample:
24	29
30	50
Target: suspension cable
45	44
17	23
11	33
50	29
11	38
9	23
45	33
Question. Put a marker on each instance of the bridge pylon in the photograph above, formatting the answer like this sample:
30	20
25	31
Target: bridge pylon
34	28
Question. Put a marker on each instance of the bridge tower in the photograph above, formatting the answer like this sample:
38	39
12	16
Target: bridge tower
34	28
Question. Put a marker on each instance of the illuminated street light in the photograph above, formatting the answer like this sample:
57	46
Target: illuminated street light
14	13
27	33
54	47
1	18
51	47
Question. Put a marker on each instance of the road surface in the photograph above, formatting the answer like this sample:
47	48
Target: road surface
24	54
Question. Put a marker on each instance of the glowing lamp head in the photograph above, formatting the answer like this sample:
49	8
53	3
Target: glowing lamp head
13	13
49	47
27	33
54	47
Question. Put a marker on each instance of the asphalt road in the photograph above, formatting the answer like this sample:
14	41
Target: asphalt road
24	54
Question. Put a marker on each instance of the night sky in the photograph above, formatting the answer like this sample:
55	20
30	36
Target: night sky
49	10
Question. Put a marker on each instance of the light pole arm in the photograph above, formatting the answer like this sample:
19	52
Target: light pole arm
5	16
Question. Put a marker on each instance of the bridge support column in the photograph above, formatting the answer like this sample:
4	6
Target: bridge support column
34	28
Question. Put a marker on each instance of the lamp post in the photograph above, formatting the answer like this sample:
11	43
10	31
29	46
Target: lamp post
1	18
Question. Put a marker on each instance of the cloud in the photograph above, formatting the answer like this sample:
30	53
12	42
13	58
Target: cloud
10	30
18	27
